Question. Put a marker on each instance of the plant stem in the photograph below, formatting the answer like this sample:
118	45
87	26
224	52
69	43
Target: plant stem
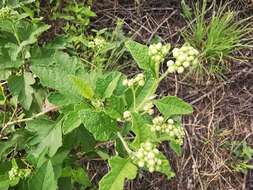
28	119
124	143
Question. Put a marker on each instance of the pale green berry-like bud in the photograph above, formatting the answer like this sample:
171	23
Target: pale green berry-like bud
130	82
147	146
151	155
157	58
175	52
159	162
150	111
151	162
195	62
151	169
153	128
180	70
139	154
170	121
156	151
126	114
190	58
158	127
172	69
141	83
181	58
148	106
141	164
170	63
186	64
159	45
125	82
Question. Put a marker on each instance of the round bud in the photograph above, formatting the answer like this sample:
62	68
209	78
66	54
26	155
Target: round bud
180	70
175	52
151	155
159	45
141	82
170	121
125	82
170	63
130	82
172	69
150	111
141	164
186	64
151	162
151	169
195	62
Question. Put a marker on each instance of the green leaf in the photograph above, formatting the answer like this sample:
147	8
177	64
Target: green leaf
71	122
48	137
20	86
172	105
44	178
81	177
2	96
59	99
141	130
120	170
140	55
83	87
99	124
106	85
55	74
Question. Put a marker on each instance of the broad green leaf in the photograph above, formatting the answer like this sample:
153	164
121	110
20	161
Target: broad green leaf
80	137
59	99
141	130
2	96
121	169
20	86
4	182
83	87
141	55
71	122
56	75
106	85
143	94
99	124
115	106
7	61
44	178
172	105
4	74
48	137
81	177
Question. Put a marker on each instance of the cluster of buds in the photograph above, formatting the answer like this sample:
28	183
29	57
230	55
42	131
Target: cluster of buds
185	56
139	79
158	52
5	12
148	108
15	172
173	131
147	156
97	42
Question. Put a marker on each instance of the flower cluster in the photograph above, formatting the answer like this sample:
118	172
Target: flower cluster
147	156
97	42
15	172
185	56
5	12
148	108
158	52
173	131
139	79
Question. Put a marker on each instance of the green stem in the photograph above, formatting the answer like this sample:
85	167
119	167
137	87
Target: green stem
134	98
124	143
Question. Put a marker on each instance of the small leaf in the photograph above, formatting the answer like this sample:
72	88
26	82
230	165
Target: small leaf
20	86
83	87
44	178
99	124
171	105
141	130
71	122
165	167
120	170
141	55
81	177
106	85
